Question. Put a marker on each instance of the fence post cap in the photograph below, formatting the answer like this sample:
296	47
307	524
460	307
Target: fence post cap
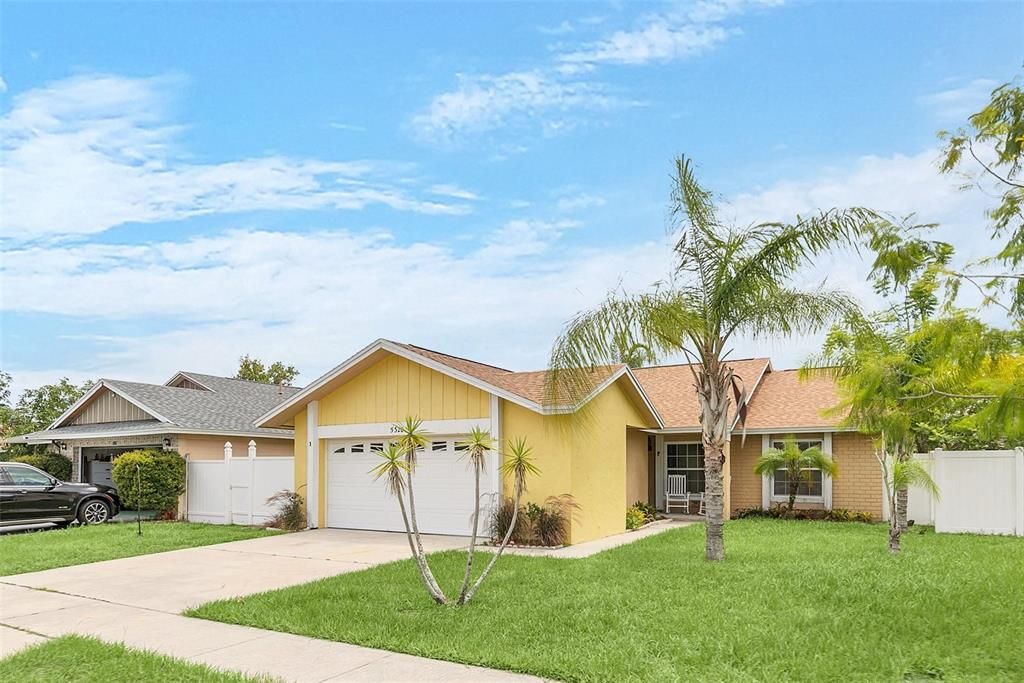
252	442
227	444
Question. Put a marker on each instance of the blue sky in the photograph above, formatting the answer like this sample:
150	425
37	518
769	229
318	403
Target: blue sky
188	182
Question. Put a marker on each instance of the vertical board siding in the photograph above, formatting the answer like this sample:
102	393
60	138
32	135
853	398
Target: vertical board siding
395	388
106	406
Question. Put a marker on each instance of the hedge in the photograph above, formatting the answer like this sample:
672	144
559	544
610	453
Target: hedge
149	479
54	464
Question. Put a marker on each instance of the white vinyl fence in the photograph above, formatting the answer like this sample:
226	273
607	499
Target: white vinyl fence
235	490
980	492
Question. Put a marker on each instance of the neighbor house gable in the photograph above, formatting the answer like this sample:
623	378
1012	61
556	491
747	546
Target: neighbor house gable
102	399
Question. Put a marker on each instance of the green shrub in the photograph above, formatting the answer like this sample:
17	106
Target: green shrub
150	479
634	518
780	512
546	524
54	464
291	511
649	511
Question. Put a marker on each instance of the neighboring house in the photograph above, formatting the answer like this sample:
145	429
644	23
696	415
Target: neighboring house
192	413
638	427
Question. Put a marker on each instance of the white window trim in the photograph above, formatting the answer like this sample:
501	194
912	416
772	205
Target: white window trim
768	495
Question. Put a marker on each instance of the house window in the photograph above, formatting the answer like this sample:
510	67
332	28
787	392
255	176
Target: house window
376	447
687	459
355	448
810	484
439	446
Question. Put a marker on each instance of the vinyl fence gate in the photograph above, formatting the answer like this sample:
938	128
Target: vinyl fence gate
235	490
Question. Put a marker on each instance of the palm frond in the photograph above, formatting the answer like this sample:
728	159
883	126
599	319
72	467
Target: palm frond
912	472
411	438
476	446
392	469
518	463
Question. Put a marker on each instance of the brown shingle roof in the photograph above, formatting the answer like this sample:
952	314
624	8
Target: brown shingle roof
670	388
529	385
784	401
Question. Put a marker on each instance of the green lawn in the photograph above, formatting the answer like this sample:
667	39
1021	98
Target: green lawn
73	659
35	550
794	600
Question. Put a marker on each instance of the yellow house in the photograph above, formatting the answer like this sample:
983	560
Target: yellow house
639	431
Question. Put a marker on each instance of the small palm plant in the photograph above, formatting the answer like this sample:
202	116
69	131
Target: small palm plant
902	475
798	465
411	439
393	469
476	447
518	464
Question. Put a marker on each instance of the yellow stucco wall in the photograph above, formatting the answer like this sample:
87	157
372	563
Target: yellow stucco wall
585	457
395	388
637	467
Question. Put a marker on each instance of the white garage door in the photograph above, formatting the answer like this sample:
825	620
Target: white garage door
443	485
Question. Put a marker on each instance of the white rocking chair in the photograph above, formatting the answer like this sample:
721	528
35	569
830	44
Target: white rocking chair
700	508
676	493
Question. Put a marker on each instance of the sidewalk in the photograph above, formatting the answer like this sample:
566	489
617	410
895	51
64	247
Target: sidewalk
36	614
588	548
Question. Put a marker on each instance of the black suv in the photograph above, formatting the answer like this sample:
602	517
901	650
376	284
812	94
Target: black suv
31	496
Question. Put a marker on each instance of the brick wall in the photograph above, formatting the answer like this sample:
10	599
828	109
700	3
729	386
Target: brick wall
859	484
746	486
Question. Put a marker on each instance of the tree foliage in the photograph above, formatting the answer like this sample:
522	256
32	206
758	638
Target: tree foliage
35	409
254	370
797	463
989	152
728	281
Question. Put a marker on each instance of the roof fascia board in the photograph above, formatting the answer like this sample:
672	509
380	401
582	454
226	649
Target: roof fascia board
750	397
78	404
143	432
385	345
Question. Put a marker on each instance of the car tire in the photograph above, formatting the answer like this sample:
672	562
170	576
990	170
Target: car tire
93	511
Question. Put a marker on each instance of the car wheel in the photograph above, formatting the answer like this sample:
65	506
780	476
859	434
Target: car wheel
93	512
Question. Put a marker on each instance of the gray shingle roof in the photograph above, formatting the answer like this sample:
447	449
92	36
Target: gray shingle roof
231	404
100	429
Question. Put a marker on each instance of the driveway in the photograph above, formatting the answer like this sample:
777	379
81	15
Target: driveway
138	600
179	579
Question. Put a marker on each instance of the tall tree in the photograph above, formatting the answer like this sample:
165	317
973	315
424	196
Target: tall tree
254	370
36	408
729	281
989	152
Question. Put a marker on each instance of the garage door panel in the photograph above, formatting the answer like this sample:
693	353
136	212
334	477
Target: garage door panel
443	488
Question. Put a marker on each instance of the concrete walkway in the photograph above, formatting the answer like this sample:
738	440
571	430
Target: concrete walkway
588	548
137	601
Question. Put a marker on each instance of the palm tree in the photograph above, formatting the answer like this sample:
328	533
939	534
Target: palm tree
476	447
904	474
411	440
728	281
797	463
517	463
393	470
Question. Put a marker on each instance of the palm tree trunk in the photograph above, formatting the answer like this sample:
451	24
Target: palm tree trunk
472	539
714	501
793	488
421	557
421	563
500	550
901	508
894	536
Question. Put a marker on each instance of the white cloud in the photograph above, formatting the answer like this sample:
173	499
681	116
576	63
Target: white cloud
486	102
454	191
956	104
519	238
87	153
312	299
580	202
554	97
338	125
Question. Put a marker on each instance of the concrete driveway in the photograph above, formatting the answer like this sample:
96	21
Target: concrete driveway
179	579
137	601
